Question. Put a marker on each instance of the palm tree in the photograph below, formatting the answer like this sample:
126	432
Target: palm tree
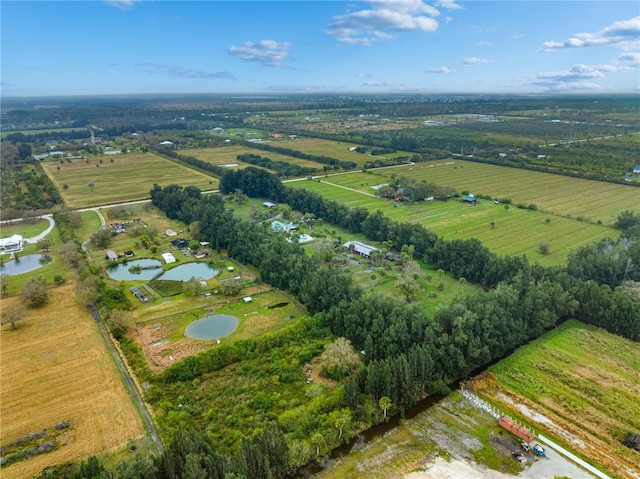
317	440
440	274
91	185
385	404
462	282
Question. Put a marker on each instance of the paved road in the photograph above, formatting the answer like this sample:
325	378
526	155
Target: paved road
573	457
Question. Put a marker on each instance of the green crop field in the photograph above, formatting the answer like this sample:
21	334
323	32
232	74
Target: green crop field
332	149
228	155
555	194
584	381
514	232
128	177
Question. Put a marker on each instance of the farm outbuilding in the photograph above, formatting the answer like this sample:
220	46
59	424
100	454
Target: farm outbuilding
361	248
112	255
168	258
516	429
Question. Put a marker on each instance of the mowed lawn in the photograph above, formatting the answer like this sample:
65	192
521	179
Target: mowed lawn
584	381
55	367
129	177
556	194
514	232
228	155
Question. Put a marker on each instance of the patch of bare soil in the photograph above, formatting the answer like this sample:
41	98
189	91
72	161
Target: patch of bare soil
161	352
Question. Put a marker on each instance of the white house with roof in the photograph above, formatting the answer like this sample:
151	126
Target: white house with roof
636	170
12	242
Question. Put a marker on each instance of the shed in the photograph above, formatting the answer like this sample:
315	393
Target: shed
469	199
269	204
361	248
171	232
247	299
112	255
516	429
168	258
636	170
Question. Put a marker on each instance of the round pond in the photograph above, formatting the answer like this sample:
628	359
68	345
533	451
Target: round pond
23	264
213	326
185	272
123	271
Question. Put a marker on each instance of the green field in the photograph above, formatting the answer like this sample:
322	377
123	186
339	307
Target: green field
229	155
555	194
26	230
584	381
129	177
515	231
332	149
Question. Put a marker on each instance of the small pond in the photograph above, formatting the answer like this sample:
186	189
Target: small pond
150	268
185	272
23	264
213	326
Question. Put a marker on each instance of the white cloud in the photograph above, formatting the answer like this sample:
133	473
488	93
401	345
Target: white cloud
122	4
363	75
377	83
448	4
631	58
475	61
578	77
441	70
366	27
268	52
482	43
624	34
178	71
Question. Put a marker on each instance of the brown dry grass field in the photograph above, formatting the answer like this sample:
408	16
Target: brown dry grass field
55	367
129	177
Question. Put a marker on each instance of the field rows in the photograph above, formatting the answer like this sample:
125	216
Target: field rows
584	381
56	368
129	177
228	155
560	195
515	231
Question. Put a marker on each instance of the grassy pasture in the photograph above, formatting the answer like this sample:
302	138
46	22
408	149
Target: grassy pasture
26	230
584	381
228	155
515	231
333	149
554	194
55	367
129	177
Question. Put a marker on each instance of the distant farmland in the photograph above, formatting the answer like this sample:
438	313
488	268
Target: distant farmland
120	178
332	149
55	368
555	194
514	232
228	155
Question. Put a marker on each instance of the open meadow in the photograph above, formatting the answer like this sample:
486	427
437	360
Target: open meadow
319	147
228	155
119	178
578	385
554	194
511	231
55	368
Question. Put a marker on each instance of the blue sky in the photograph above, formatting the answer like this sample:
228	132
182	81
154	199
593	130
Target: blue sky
267	47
